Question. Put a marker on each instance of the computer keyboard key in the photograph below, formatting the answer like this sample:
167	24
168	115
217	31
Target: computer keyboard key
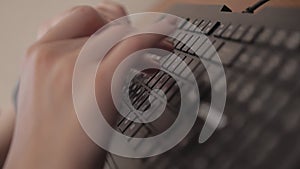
220	29
155	79
132	93
194	64
191	66
169	61
184	41
203	24
125	122
190	43
143	132
229	52
168	85
162	81
179	38
145	106
139	91
188	60
229	31
278	38
210	52
251	34
132	129
186	72
185	48
179	45
203	48
187	25
138	95
273	64
148	77
141	100
196	24
180	68
210	27
288	70
212	39
175	63
293	41
245	58
162	60
133	86
218	44
238	34
265	36
186	38
170	93
200	69
197	44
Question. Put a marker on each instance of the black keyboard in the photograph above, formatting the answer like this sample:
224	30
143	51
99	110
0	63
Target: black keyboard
260	127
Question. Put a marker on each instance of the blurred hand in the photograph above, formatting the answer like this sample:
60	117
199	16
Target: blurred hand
47	132
7	118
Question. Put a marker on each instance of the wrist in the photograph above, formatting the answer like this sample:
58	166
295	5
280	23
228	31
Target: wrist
7	120
60	147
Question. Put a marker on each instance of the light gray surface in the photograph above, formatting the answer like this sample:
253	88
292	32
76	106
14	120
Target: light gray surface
19	22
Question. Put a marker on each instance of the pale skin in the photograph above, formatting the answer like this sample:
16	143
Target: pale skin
46	132
7	118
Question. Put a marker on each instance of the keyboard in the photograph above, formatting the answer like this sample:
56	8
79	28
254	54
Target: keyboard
260	127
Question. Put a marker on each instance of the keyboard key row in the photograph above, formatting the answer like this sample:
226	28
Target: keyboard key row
244	33
201	26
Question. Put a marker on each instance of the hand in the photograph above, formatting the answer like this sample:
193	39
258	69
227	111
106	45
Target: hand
7	118
47	132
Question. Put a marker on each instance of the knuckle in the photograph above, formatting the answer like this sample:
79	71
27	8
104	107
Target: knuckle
63	70
89	16
38	53
47	60
31	51
120	9
74	8
42	27
86	11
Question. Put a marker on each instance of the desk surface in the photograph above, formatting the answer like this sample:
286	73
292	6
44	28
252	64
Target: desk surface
235	5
